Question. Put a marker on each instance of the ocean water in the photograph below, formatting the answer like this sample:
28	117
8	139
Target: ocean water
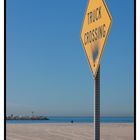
75	120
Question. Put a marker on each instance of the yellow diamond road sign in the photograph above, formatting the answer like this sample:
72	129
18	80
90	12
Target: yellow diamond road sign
96	25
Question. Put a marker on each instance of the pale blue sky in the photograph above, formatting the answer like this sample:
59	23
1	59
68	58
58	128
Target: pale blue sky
47	69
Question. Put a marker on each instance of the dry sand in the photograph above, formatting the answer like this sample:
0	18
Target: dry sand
65	131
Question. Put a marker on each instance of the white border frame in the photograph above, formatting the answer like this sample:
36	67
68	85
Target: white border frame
138	69
2	69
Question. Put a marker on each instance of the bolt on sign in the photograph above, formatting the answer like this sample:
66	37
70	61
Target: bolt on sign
95	29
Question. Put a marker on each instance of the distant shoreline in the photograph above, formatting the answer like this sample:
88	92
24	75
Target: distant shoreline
26	118
72	120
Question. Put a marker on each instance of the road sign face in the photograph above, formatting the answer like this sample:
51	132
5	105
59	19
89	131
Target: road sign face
96	25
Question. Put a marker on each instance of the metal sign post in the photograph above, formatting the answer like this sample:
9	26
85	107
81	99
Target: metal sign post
97	106
94	33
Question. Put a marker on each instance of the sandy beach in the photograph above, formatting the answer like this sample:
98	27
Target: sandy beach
67	131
